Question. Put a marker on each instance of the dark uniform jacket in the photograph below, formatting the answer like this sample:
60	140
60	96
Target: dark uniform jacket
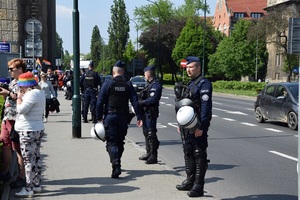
105	98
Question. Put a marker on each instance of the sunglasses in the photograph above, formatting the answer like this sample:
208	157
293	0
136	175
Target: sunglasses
12	68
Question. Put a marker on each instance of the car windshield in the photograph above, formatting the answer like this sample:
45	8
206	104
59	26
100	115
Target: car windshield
295	91
137	79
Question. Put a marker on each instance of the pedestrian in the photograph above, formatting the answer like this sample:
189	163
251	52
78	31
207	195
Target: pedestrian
30	106
149	102
91	82
113	110
53	78
198	95
49	93
9	92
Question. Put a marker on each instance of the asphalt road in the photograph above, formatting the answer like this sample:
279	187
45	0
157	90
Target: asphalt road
248	160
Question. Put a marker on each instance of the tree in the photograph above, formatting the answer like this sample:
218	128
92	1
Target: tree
168	39
67	59
190	41
96	46
129	53
59	48
236	55
118	30
273	28
191	8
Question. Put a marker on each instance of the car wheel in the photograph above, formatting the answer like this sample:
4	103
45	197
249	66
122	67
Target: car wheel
259	116
292	121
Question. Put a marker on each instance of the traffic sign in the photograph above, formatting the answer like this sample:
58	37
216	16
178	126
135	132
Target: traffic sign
33	27
183	63
294	36
5	47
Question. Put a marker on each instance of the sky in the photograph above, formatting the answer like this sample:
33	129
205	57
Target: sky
97	12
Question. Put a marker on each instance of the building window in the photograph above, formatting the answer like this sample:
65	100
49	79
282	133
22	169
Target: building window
224	28
277	61
219	27
256	15
239	15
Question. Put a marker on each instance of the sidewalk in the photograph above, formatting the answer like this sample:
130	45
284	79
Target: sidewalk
79	168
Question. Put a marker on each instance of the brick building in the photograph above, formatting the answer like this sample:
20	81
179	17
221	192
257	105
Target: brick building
228	12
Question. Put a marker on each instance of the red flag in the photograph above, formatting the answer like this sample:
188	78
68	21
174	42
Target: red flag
46	62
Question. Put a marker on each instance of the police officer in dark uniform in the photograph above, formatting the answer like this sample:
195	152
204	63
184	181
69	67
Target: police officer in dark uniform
149	103
199	92
113	110
90	83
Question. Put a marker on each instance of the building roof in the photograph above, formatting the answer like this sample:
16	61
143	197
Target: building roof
247	6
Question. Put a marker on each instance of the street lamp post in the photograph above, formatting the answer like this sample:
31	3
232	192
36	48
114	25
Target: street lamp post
158	40
137	45
204	31
76	105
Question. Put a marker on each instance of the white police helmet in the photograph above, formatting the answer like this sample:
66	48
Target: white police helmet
186	117
98	131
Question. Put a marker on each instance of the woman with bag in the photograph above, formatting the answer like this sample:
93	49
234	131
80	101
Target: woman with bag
30	107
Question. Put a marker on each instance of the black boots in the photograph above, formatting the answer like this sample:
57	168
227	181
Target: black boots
116	171
147	154
190	169
197	189
187	184
153	144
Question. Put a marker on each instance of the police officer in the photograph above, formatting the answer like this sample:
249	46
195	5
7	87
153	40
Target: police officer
113	110
90	83
149	102
199	91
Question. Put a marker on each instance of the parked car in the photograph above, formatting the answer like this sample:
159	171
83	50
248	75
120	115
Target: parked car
138	83
278	102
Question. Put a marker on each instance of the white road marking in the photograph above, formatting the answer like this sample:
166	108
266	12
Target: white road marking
228	119
173	124
169	104
162	102
231	112
274	130
215	116
159	125
252	109
164	97
217	103
248	124
284	155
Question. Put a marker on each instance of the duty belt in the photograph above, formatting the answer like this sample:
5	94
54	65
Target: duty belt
118	110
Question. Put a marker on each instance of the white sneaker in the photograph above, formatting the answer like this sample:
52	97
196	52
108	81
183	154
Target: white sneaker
37	189
45	120
24	193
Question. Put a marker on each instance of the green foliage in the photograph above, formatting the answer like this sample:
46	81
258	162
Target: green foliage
236	55
118	30
129	53
59	48
148	15
237	85
190	41
96	46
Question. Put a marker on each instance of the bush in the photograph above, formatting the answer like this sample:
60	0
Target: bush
237	85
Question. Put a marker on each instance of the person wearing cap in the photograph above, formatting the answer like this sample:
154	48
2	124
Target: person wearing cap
113	110
30	107
149	103
91	82
15	67
195	140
